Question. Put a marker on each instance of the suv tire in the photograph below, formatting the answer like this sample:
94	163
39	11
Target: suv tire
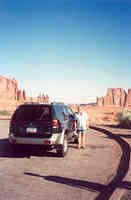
62	149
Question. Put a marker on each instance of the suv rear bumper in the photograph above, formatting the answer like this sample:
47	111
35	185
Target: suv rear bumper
33	141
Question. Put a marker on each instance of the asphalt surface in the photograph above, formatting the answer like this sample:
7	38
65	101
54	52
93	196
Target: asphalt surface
93	173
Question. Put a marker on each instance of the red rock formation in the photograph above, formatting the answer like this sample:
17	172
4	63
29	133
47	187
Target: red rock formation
9	90
128	102
110	96
123	98
21	95
11	96
46	99
43	98
107	100
114	97
24	95
100	101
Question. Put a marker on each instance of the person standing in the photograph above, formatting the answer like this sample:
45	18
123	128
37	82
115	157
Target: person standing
81	126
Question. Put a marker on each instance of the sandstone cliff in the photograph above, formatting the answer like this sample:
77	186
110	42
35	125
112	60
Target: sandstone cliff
11	96
9	90
115	97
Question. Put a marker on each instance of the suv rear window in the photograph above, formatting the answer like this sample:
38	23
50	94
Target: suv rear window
33	113
58	112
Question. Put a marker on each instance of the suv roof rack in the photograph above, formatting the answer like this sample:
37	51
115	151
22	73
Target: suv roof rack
31	103
35	103
61	103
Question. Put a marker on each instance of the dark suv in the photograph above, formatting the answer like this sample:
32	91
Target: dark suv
46	125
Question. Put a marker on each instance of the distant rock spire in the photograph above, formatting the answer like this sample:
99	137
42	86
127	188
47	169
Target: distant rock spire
115	97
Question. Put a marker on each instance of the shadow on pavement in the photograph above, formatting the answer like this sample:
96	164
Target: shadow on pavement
7	151
124	135
85	185
95	187
111	126
117	126
122	168
105	191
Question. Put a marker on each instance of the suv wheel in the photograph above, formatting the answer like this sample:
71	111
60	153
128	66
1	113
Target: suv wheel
62	149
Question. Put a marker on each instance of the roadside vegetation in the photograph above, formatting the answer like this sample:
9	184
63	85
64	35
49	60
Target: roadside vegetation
124	119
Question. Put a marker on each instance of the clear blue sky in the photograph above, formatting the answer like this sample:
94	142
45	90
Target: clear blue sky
73	50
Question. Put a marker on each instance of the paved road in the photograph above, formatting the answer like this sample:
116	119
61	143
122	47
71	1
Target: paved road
82	174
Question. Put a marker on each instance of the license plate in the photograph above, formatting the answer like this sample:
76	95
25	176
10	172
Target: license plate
31	130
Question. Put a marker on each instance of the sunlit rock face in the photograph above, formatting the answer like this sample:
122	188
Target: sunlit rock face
128	101
9	90
115	97
11	96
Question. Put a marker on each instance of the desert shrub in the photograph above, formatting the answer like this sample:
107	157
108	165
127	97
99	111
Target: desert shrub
124	119
4	112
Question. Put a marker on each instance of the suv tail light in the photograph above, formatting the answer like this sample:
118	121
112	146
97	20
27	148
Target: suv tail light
55	123
47	142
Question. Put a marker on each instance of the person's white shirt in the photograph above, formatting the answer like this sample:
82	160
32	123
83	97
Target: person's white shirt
81	120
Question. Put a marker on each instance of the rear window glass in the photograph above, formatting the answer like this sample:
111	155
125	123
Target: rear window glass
58	112
32	113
